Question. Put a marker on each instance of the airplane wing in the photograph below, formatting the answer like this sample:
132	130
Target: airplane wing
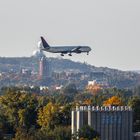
77	49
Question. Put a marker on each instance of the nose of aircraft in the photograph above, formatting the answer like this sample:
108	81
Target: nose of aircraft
89	48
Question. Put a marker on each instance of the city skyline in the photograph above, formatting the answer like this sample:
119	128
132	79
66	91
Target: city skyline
110	28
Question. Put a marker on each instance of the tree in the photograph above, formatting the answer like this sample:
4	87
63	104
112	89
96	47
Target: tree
19	108
98	99
62	133
5	126
53	115
48	116
66	115
113	101
81	97
87	133
135	104
58	133
24	134
63	99
70	89
137	90
87	102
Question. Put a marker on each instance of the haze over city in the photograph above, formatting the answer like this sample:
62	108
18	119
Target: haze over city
110	28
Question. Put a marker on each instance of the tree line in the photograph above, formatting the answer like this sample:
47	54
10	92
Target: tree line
28	115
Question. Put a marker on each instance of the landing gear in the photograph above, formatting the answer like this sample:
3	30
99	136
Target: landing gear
70	54
62	54
87	53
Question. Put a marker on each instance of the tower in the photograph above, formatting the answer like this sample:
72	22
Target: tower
44	68
112	123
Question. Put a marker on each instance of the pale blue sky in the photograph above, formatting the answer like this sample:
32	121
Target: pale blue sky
110	27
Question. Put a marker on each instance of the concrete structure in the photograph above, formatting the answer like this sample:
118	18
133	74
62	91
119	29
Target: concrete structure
137	136
112	123
44	68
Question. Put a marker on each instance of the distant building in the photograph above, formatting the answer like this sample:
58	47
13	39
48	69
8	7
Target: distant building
44	68
26	72
93	87
112	123
91	82
58	87
43	88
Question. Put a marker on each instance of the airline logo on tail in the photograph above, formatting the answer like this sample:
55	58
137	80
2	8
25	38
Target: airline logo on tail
44	43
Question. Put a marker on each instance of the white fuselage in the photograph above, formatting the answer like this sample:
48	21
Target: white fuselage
67	49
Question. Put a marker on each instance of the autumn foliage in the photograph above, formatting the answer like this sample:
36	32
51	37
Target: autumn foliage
47	114
113	101
87	102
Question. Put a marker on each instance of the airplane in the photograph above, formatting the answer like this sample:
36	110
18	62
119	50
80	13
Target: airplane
63	49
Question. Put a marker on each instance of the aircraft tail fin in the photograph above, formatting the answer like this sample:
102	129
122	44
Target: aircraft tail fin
44	43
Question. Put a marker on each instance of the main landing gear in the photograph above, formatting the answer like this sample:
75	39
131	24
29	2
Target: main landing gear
70	54
62	54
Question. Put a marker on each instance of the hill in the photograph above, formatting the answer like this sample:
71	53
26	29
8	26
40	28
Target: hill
117	78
